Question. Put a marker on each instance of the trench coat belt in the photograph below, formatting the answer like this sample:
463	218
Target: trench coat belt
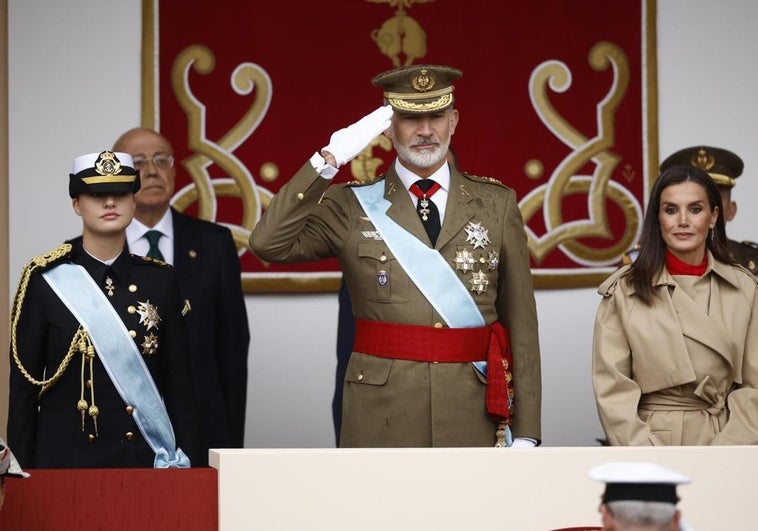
655	402
447	345
421	343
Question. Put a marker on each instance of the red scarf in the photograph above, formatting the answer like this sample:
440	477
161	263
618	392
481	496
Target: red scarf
677	267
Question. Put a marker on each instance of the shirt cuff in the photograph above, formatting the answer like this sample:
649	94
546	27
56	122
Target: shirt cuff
322	168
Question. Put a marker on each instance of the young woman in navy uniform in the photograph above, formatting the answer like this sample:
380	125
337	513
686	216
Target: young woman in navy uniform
81	396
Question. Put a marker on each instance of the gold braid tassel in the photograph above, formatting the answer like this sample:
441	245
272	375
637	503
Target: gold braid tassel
93	409
79	343
82	405
18	302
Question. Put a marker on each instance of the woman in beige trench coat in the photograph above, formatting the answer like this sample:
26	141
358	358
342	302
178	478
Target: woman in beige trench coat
676	333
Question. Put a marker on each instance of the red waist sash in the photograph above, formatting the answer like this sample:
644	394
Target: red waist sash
421	343
447	345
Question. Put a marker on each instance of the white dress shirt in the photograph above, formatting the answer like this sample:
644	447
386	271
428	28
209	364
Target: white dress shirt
138	244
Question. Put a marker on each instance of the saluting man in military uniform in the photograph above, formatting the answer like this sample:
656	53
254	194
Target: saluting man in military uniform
437	267
99	374
724	167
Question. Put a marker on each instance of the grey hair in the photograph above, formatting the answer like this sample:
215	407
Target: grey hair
635	512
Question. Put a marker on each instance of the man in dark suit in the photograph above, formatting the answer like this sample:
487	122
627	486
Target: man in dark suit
724	167
437	266
208	271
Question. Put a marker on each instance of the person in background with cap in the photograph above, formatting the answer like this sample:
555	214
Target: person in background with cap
724	167
674	347
437	267
99	374
207	269
8	467
639	497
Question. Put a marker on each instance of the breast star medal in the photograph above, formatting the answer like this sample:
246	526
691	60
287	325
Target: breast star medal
150	345
477	235
464	260
148	315
479	282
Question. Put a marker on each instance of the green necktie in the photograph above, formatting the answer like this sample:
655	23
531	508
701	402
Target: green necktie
152	237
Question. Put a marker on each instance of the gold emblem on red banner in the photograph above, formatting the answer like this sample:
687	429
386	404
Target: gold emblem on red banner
401	34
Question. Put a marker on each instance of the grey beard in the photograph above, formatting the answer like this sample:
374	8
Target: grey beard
422	160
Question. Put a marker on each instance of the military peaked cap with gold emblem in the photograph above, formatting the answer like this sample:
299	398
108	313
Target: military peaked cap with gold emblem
106	171
418	88
722	165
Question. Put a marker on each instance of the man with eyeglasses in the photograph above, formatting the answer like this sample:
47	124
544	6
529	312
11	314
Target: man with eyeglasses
208	271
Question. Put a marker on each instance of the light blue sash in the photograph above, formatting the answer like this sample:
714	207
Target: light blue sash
121	359
426	267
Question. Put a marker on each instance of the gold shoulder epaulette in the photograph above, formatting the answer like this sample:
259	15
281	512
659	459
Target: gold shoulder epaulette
147	259
44	260
358	182
489	180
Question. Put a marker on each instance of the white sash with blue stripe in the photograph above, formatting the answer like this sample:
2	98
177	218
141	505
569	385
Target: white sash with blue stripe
426	267
121	359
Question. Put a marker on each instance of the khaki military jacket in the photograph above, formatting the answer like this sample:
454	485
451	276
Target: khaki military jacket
390	402
684	370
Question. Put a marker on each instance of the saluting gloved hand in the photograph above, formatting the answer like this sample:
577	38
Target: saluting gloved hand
346	143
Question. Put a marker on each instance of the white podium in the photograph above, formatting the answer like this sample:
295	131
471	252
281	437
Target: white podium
483	489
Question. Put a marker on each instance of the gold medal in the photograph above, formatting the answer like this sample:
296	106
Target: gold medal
109	287
149	345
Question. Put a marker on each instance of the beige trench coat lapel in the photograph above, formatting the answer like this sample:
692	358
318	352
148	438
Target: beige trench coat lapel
699	326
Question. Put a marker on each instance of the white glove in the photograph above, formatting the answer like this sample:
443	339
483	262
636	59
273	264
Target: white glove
346	143
523	442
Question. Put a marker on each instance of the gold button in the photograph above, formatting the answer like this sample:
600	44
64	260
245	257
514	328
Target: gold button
131	309
90	437
437	325
132	288
383	258
129	436
482	259
132	333
360	377
129	410
300	196
88	384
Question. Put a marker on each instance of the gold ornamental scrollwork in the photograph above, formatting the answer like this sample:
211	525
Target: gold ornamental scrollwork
566	181
400	36
247	78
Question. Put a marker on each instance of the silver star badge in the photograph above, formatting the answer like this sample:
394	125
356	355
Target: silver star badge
479	282
464	260
477	235
148	315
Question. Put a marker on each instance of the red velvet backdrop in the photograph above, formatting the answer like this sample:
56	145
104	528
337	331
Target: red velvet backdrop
552	102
